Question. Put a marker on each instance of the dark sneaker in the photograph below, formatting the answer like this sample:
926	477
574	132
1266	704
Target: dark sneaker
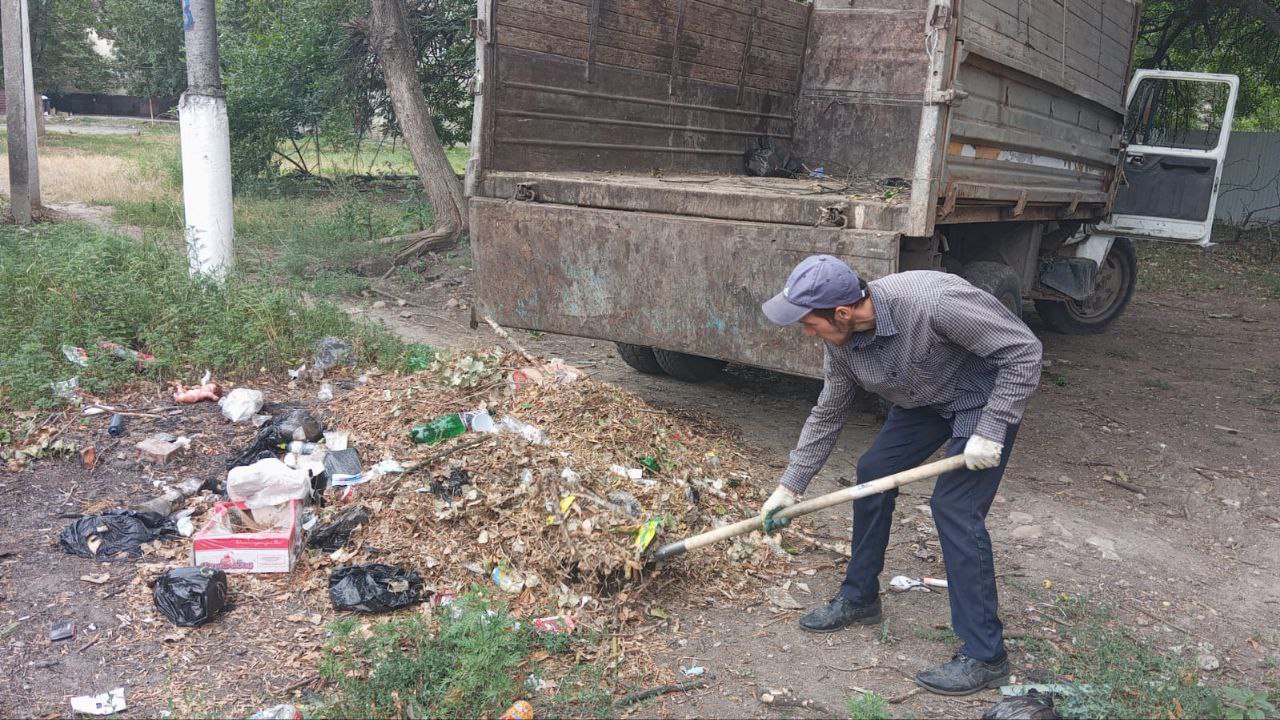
964	676
840	614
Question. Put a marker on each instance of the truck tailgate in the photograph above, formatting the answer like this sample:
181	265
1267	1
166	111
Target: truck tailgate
670	281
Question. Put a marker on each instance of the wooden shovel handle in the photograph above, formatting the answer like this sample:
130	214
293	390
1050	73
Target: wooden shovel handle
849	494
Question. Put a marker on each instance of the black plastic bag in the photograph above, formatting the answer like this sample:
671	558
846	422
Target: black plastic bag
767	158
1035	705
266	444
114	531
298	425
338	531
452	487
374	588
191	596
342	462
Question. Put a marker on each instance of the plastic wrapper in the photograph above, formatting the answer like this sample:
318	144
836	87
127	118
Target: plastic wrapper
299	425
113	532
1035	705
374	588
331	352
267	482
334	535
241	404
191	596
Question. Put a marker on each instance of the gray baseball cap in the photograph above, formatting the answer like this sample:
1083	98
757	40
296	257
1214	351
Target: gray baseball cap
819	281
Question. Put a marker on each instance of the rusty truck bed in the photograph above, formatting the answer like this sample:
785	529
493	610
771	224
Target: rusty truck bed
853	202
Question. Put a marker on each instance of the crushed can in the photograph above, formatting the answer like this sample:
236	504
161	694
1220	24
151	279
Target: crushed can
519	710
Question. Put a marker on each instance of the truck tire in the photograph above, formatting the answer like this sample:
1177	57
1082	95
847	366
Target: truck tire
690	368
998	279
1117	279
639	357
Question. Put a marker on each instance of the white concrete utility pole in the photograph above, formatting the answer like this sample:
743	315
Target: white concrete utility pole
206	147
19	90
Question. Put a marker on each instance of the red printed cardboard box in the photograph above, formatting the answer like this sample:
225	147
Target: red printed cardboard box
268	551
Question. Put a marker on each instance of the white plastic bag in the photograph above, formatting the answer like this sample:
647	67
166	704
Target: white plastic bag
241	404
267	482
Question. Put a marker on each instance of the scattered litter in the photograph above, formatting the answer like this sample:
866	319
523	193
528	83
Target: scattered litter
325	394
191	596
386	467
64	630
65	389
342	465
559	624
479	421
238	540
646	533
694	671
818	173
554	373
519	710
105	704
509	581
374	588
267	482
530	433
114	531
160	449
632	473
627	502
1043	689
440	429
115	426
334	535
186	527
783	599
76	355
241	404
1034	705
1225	429
278	712
331	352
300	425
335	440
125	353
96	579
570	476
89	457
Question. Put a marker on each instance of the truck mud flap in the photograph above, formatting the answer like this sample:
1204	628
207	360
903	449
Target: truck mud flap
679	283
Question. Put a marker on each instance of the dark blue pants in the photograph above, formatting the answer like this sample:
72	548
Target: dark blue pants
960	503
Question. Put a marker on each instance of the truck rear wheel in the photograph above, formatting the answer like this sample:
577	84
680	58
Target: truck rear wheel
639	357
1117	279
690	368
998	279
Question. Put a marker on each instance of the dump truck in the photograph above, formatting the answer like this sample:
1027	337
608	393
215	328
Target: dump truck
1008	141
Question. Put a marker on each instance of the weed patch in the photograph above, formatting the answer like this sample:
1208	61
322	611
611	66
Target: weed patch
868	707
1117	673
1156	383
72	284
469	659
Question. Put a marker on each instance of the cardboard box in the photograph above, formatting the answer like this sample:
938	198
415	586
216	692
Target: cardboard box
269	551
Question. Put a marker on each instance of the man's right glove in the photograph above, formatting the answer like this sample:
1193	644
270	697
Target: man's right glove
781	498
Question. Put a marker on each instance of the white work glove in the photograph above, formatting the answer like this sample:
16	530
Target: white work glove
981	453
781	498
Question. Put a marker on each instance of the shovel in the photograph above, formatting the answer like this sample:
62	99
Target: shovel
875	487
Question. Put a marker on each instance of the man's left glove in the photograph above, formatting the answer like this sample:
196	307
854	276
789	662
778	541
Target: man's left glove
981	453
781	498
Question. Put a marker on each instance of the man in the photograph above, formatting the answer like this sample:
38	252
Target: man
958	368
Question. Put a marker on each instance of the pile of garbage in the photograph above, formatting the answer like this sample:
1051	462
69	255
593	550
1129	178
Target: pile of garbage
547	485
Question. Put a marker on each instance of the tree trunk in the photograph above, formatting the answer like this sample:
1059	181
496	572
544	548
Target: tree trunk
388	35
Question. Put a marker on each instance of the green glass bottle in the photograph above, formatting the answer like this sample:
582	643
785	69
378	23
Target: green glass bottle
442	428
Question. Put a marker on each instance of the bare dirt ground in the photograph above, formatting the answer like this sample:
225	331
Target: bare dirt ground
1168	402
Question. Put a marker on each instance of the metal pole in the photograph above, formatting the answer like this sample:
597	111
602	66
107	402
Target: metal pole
24	166
206	147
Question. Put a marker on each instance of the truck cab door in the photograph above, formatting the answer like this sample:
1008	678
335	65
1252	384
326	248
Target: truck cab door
1176	131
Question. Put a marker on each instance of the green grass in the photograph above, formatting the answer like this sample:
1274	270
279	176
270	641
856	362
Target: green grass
1246	267
946	637
869	706
73	284
1157	383
1118	673
469	662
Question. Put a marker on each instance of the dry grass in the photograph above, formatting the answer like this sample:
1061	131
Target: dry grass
68	175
